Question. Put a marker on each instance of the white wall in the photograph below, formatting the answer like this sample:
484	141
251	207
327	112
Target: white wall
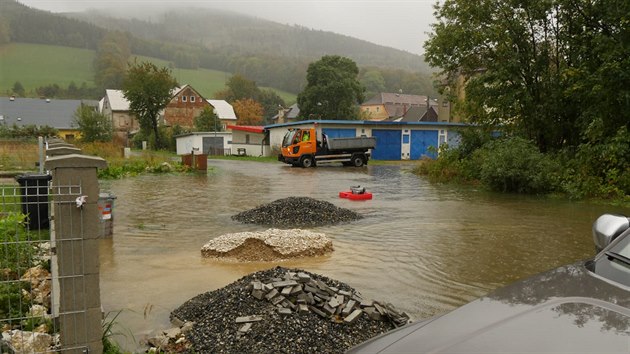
255	145
186	143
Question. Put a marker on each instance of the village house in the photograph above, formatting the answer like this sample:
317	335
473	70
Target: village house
116	107
185	105
391	106
55	113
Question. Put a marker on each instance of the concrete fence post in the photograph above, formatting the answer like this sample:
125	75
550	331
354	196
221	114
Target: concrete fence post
74	238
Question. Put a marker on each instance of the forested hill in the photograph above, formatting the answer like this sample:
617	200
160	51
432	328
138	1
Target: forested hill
272	54
249	35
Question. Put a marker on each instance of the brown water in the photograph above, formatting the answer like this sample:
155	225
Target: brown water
425	248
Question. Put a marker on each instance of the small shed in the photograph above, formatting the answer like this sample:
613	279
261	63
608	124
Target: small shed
249	140
206	143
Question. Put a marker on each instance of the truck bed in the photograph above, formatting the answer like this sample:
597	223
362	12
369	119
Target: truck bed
351	143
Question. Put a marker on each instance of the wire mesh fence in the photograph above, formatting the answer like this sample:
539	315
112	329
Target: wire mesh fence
30	282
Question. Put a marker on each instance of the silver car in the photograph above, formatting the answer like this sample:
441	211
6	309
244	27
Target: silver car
578	308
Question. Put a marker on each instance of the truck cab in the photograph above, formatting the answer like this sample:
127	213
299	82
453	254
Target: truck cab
301	147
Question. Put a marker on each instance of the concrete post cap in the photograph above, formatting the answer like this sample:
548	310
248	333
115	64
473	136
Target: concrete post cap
74	160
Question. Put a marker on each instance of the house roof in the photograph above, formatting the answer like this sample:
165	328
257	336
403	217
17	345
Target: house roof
54	113
223	109
290	113
117	100
363	122
417	114
247	128
396	98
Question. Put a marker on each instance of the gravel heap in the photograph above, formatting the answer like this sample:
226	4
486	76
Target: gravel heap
269	245
297	212
234	320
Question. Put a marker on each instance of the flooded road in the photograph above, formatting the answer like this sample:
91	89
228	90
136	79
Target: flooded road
424	248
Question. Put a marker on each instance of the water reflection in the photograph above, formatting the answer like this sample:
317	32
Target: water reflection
422	247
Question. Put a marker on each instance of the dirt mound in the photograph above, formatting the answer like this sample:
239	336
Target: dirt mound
297	212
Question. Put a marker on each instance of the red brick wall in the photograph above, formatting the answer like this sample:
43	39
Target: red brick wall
183	112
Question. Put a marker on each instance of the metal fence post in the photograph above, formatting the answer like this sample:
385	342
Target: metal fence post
76	229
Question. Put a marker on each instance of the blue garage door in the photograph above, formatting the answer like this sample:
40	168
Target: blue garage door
420	142
340	133
387	144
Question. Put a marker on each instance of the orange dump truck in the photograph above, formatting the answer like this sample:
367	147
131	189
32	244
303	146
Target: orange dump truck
301	147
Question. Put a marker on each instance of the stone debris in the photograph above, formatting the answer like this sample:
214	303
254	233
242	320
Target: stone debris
269	245
297	212
172	340
302	321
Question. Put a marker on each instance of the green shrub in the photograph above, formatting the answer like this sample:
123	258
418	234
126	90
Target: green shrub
514	165
599	167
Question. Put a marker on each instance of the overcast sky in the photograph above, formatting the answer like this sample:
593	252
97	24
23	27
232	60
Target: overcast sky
400	24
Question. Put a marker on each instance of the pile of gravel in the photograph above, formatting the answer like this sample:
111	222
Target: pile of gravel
297	212
217	330
268	245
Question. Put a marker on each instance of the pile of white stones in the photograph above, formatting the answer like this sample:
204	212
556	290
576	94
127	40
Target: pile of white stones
283	243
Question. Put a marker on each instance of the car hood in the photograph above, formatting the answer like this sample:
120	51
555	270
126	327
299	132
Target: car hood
568	309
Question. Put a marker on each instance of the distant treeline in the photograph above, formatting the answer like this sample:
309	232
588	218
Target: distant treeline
271	54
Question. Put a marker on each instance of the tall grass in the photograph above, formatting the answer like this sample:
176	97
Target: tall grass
141	162
18	155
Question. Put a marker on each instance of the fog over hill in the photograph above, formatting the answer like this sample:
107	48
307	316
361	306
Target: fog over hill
219	29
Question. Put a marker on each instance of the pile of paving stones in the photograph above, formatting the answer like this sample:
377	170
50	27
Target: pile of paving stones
297	212
284	311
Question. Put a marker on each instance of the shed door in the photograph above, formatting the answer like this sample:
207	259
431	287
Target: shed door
388	144
213	145
420	142
339	133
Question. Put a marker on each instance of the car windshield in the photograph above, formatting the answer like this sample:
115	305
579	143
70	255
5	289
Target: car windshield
613	263
288	138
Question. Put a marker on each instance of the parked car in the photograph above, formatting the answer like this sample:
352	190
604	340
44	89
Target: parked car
578	308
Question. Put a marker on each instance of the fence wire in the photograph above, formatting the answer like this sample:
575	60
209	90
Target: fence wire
29	277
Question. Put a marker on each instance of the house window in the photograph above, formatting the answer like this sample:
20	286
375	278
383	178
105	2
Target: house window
183	98
192	98
246	138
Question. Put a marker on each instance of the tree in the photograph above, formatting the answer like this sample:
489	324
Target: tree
18	89
110	62
373	81
248	112
148	90
332	90
93	125
208	121
271	103
544	70
238	88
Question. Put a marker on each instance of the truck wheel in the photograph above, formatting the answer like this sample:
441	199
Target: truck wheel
306	162
357	161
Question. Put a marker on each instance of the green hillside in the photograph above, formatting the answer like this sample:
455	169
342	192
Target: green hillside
35	65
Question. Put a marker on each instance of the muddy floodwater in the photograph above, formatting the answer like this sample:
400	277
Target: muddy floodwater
423	247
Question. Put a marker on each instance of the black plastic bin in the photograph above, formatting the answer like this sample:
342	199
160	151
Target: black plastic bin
35	199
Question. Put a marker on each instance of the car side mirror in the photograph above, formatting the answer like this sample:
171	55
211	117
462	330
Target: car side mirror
606	228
